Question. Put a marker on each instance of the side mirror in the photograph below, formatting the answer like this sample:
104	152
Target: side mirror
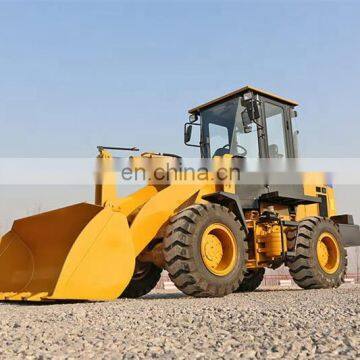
188	128
246	122
252	107
187	133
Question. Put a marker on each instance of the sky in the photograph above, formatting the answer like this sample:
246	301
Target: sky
75	75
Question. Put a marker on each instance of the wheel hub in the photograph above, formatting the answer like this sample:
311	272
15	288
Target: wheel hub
323	254
219	249
328	253
213	250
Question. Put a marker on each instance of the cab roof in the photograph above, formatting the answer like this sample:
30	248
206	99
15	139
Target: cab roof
241	91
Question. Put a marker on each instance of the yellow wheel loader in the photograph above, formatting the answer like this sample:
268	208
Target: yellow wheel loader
213	237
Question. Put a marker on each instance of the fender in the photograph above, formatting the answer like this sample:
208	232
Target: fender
157	211
230	201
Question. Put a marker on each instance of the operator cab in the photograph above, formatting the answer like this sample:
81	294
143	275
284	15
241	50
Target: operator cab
247	123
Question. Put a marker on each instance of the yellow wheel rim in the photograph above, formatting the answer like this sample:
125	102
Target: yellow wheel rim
219	249
328	253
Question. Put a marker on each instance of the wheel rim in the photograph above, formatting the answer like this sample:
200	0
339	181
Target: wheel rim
328	253
219	249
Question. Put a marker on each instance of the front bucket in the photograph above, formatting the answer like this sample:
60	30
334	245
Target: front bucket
80	252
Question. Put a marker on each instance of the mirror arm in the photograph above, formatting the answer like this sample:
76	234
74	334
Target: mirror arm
192	145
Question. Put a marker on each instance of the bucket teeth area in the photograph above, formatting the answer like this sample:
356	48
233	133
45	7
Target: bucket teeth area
6	295
23	296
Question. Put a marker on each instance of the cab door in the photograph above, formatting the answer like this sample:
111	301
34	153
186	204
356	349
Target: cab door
280	145
278	129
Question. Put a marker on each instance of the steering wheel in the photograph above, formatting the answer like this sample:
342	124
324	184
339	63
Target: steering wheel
243	154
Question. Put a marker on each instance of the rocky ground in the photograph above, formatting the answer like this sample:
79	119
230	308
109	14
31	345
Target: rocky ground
268	324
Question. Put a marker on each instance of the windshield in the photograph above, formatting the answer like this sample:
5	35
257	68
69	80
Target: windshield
223	127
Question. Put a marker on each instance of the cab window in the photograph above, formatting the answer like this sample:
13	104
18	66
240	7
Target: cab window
245	141
219	136
225	133
275	130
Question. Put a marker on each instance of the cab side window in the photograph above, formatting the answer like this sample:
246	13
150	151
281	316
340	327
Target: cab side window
275	130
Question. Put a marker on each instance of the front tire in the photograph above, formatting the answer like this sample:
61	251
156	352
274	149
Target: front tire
252	280
320	258
205	251
145	278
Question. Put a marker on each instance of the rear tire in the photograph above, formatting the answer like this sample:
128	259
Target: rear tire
320	258
186	263
252	280
145	278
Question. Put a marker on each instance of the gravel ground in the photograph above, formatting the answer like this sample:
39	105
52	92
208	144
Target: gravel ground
264	324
